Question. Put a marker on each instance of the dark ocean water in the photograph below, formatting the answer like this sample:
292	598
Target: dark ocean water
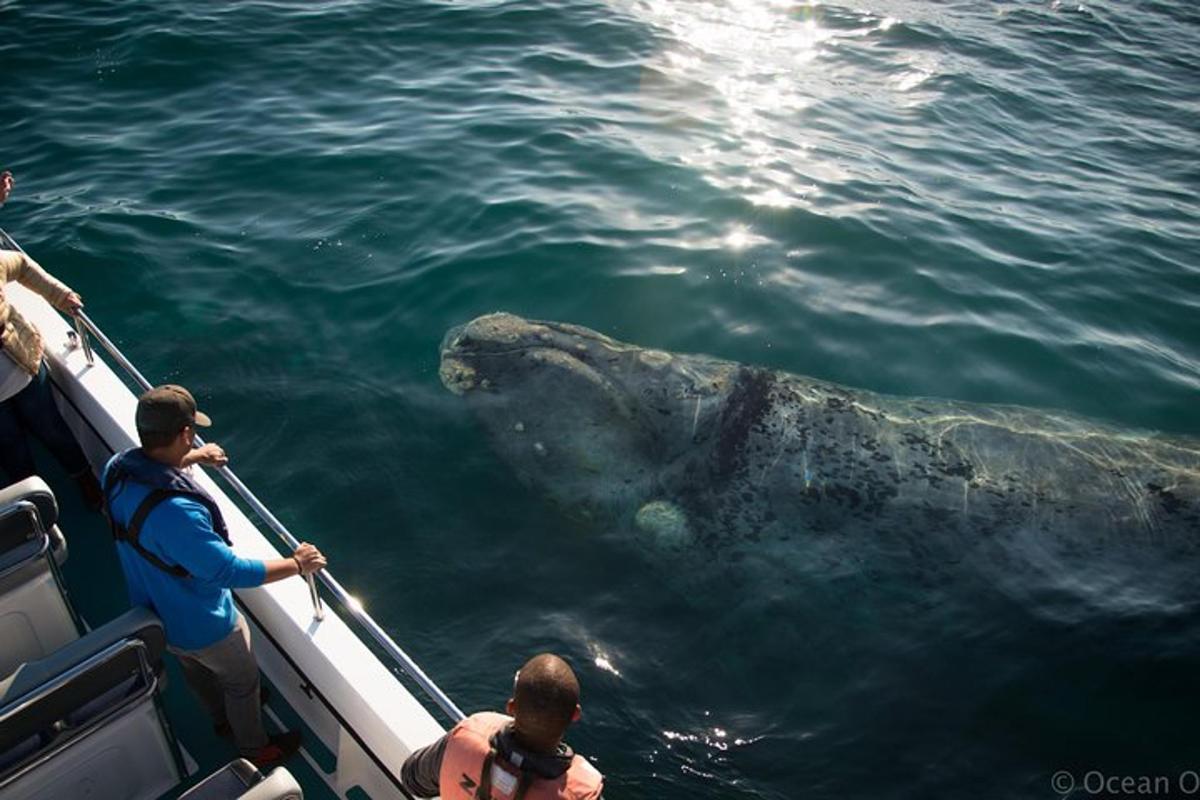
285	205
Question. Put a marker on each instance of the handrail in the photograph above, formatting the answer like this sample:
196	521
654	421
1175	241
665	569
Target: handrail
43	548
346	601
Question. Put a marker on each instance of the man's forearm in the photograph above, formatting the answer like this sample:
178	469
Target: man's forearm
279	568
419	775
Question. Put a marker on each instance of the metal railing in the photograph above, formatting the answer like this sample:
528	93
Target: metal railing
347	603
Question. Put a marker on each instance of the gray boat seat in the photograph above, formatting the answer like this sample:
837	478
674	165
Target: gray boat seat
241	780
35	490
85	721
36	617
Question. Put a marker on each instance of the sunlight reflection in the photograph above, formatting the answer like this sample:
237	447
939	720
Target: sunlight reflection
753	53
740	238
602	659
715	738
743	82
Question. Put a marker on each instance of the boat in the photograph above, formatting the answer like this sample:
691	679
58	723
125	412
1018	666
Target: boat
86	712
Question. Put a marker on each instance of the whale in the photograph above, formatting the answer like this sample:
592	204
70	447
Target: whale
691	451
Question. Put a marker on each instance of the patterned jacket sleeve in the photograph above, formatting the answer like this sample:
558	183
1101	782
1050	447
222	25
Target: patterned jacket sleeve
30	274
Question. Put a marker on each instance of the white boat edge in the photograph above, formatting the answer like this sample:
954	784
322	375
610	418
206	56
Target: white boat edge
348	698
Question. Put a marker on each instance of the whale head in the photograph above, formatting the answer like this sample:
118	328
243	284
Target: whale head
601	427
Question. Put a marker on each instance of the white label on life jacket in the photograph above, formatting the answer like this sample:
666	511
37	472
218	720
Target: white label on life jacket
503	781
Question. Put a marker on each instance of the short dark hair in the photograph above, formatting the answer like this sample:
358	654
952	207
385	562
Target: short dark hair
152	440
546	693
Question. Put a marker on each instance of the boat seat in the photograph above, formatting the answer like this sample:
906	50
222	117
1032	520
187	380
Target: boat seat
85	721
241	780
35	490
36	617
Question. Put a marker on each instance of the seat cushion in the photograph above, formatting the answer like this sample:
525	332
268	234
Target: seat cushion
103	683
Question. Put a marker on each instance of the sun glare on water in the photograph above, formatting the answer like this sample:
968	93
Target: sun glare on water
739	84
739	64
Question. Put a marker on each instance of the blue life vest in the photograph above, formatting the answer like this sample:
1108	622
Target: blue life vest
164	482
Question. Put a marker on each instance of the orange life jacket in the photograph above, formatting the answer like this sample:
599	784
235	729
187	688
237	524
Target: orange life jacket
472	770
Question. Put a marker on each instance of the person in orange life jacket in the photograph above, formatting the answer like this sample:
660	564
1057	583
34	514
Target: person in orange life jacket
491	756
175	552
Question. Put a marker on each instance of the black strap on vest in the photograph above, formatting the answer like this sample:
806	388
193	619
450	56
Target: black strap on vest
522	785
129	534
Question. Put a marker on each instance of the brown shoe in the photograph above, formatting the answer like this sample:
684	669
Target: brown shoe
280	748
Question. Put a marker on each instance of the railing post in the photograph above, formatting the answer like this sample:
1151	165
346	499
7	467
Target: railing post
274	524
81	332
318	608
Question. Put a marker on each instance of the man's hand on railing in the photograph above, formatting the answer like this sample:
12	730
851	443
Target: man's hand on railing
309	559
304	561
210	455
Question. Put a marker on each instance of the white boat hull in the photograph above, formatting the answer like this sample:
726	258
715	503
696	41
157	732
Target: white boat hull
344	693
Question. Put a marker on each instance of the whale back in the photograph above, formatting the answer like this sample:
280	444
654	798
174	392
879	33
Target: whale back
699	451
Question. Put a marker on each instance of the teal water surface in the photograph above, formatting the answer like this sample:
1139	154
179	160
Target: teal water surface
285	205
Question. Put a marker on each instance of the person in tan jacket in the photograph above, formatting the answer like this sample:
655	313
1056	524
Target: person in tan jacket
26	404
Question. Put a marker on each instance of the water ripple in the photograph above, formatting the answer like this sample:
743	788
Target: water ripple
989	202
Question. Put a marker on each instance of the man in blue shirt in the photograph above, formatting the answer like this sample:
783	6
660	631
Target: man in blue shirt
176	556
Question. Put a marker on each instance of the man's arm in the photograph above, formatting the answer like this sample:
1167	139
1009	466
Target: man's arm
184	533
30	274
205	555
210	455
419	775
306	560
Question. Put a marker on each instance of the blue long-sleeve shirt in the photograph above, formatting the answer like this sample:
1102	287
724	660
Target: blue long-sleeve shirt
196	611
